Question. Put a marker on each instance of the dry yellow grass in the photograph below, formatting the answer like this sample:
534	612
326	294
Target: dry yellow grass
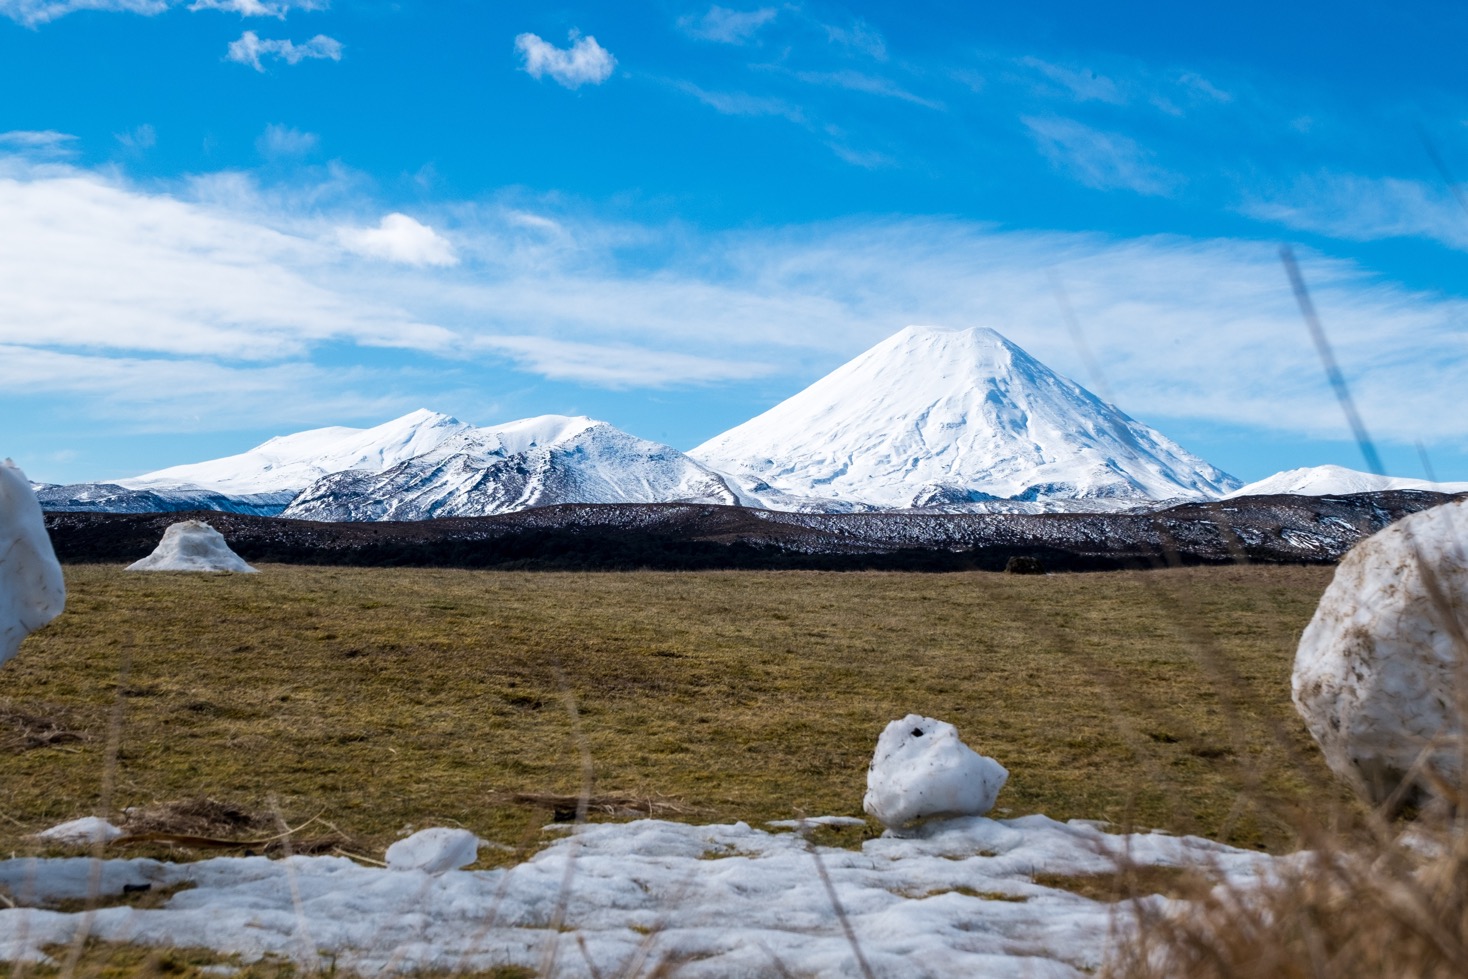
380	698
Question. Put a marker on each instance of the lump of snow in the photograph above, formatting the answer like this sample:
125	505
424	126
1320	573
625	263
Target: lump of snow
921	769
191	545
434	851
1380	668
88	829
32	591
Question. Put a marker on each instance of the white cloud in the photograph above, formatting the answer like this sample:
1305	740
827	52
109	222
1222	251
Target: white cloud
259	8
250	48
618	366
279	141
1105	161
110	288
584	62
38	143
1359	208
35	12
144	137
399	238
174	395
86	263
727	26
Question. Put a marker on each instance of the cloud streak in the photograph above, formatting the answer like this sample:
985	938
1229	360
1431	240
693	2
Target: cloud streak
725	26
1101	160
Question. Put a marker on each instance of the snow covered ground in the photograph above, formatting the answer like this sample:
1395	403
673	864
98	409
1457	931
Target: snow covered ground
616	899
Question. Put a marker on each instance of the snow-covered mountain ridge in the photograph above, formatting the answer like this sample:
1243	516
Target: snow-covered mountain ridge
942	418
422	465
934	420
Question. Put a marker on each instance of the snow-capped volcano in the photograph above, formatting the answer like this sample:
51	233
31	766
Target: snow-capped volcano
426	464
933	417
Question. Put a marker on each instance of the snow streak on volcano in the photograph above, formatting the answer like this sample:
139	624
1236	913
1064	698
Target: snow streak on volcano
953	419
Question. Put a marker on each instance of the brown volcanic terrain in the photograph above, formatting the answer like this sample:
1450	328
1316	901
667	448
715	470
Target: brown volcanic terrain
1267	529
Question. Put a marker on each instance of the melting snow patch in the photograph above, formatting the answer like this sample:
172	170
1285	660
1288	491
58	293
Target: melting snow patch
434	851
717	900
191	545
88	829
32	590
922	770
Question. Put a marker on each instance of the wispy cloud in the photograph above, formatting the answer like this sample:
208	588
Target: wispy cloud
618	366
1358	208
279	142
1080	84
399	238
259	8
38	143
743	103
857	81
143	137
1105	161
33	13
174	395
584	63
250	48
858	36
727	26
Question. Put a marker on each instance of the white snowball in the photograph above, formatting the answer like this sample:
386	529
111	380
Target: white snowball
88	829
191	545
32	591
435	850
1379	668
921	769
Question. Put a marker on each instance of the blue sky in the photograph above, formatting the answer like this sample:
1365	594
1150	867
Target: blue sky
231	219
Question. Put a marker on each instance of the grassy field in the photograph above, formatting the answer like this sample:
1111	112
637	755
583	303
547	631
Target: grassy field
379	698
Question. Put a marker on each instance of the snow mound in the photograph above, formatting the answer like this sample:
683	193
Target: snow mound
191	545
434	851
1379	667
88	829
921	769
32	590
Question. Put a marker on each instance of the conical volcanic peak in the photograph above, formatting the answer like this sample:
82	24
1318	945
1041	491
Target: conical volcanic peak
932	417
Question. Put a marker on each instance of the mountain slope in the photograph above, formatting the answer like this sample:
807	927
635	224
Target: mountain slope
290	463
952	419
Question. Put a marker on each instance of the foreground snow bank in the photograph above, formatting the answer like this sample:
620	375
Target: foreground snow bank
191	545
723	900
1379	668
32	591
921	770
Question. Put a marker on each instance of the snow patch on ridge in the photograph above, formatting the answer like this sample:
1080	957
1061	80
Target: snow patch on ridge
1337	481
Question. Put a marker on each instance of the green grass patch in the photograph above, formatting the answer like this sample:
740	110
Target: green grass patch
378	699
